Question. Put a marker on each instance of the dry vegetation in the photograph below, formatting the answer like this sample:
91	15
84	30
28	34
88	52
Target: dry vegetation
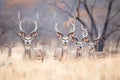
15	68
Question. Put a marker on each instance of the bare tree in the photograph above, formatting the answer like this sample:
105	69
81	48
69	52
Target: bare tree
105	35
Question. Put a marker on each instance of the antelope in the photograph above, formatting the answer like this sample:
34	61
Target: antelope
65	41
92	45
80	44
27	39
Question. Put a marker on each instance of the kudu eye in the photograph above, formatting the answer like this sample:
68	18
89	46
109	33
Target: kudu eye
59	35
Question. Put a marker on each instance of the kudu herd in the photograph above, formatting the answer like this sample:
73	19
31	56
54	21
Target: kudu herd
61	53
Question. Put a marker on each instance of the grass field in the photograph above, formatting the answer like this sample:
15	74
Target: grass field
15	68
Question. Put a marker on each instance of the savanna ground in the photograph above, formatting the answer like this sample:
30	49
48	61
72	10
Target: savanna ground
15	68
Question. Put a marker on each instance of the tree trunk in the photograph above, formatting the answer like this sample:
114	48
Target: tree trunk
103	37
101	44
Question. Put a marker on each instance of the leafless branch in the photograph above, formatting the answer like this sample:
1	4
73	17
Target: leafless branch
55	5
67	5
93	23
107	18
115	15
78	9
111	32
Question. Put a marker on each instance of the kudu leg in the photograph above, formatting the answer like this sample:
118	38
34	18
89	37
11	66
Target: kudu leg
61	57
78	53
29	54
91	54
25	55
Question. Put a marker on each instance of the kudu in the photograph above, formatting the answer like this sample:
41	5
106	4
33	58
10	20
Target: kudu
92	45
65	40
27	38
80	44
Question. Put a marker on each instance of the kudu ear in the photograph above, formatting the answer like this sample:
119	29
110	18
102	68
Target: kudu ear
85	39
59	35
22	34
71	34
74	39
34	34
96	41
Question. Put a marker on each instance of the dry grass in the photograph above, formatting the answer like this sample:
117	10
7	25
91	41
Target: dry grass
100	69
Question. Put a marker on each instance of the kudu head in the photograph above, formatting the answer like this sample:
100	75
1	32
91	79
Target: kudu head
27	39
65	38
96	40
77	42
